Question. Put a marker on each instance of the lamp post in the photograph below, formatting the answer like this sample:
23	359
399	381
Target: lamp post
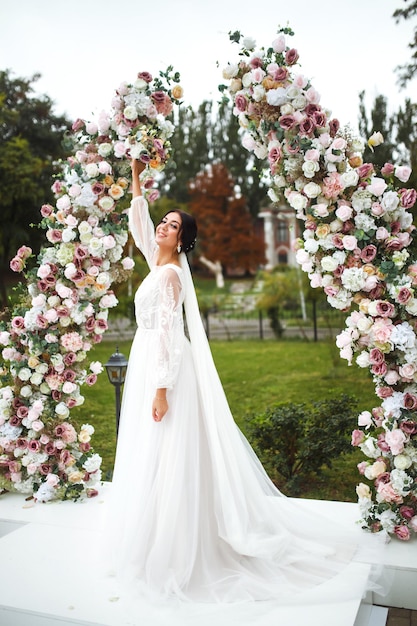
116	368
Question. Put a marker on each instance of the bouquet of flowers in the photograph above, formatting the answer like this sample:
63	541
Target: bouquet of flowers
65	309
356	245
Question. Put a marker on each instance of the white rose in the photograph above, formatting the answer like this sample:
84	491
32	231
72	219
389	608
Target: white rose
261	152
91	170
363	359
287	109
24	374
312	190
411	306
297	201
26	391
402	462
84	228
299	102
140	84
311	245
130	112
247	79
68	235
95	247
103	279
276	97
350	178
230	71
249	43
329	264
105	149
62	410
310	168
258	93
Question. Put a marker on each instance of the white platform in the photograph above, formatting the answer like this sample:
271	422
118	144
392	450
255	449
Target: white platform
51	577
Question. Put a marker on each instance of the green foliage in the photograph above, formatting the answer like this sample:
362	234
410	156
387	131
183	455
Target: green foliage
407	71
296	440
31	144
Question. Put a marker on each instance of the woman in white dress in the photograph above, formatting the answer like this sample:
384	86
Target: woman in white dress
193	513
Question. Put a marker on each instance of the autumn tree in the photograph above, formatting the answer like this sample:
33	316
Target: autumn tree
31	143
226	230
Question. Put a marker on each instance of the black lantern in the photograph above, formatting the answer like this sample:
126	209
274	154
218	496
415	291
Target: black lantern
116	368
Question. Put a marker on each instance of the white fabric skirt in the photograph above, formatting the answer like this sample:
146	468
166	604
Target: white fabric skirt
193	514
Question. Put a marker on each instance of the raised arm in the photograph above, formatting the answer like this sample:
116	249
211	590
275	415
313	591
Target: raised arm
140	223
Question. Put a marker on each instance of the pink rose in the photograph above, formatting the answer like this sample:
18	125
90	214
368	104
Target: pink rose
279	44
387	169
413	523
362	467
368	253
402	172
344	212
357	437
17	264
54	235
404	295
387	493
349	242
408	198
377	186
395	439
385	308
287	121
291	56
365	170
407	512
241	102
379	369
383	392
408	426
407	372
402	532
334	126
410	401
377	209
77	125
376	356
91	379
24	252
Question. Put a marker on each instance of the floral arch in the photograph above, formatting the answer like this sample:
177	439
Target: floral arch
356	245
64	312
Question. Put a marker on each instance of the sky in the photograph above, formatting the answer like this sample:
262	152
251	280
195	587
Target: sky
84	49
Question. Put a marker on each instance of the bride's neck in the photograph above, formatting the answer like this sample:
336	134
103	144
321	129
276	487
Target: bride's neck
167	257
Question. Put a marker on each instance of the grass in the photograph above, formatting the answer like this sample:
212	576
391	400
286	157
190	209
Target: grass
255	374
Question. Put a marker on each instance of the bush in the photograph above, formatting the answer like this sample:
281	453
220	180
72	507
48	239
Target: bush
295	440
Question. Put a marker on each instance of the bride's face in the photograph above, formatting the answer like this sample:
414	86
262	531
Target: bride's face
168	230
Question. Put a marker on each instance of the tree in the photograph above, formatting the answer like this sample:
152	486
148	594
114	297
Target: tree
407	71
226	231
399	131
210	135
378	121
31	144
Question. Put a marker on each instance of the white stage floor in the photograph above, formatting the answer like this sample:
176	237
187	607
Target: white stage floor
51	576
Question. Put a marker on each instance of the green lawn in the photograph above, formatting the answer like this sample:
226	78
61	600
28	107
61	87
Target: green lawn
255	375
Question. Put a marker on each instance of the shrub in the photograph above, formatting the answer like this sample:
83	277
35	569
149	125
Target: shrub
295	440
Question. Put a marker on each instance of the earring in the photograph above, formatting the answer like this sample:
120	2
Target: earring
178	248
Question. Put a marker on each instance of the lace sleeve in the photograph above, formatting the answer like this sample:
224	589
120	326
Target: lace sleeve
170	329
142	228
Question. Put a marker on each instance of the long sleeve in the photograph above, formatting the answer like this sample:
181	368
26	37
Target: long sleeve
142	229
170	329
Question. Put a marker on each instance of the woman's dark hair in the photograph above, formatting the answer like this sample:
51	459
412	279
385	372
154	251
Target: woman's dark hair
188	230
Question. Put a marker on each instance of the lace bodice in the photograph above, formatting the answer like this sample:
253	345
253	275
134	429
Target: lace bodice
159	300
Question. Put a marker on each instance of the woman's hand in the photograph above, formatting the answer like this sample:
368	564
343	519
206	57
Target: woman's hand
159	405
137	169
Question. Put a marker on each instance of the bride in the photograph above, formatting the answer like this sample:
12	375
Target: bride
193	513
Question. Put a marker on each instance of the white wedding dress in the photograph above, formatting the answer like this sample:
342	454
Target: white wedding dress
193	514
